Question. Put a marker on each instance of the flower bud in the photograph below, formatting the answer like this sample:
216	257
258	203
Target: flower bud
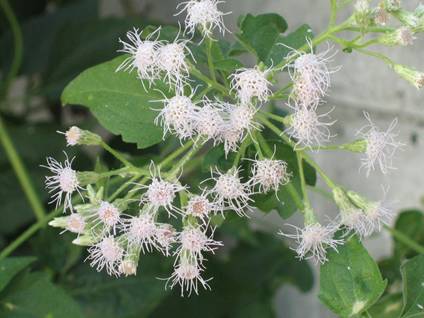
402	36
415	77
129	264
76	136
85	240
391	5
407	18
363	14
381	16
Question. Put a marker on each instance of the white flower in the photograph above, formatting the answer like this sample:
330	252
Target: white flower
355	220
203	14
107	253
231	138
270	174
177	116
381	146
187	274
208	121
405	36
165	237
128	267
199	206
240	117
230	193
250	83
63	182
72	135
108	215
194	241
307	128
172	62
160	193
75	223
141	231
313	240
311	76
143	55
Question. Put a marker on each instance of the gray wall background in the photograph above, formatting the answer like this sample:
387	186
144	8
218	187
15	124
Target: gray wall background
363	83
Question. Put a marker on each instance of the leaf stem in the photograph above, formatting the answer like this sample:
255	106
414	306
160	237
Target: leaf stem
210	60
306	201
21	172
196	73
405	239
116	154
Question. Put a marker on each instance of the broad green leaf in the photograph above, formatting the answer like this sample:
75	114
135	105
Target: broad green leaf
33	295
244	283
350	281
389	306
11	266
411	224
119	101
413	287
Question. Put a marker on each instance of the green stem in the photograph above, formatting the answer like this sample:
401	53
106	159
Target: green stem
28	233
196	73
210	60
116	154
306	201
168	159
246	142
333	13
174	172
405	239
17	37
330	183
21	172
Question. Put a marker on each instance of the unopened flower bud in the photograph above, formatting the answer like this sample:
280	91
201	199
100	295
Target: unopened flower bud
85	240
381	16
76	136
415	77
407	18
402	36
391	5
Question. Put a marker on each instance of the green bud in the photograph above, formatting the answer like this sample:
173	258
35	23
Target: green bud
363	14
407	18
391	5
415	77
130	262
359	200
341	199
87	177
85	240
403	36
309	216
60	222
76	136
359	145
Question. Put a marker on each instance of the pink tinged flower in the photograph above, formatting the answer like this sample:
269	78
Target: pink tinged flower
166	236
143	55
177	116
194	241
108	215
269	174
187	273
141	231
230	193
63	183
200	207
203	14
208	121
106	254
250	83
381	146
231	138
308	128
75	223
72	135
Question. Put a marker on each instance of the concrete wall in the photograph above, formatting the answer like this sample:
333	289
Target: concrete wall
363	83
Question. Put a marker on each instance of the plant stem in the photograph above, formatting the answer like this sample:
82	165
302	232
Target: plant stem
333	13
330	183
405	239
168	159
196	73
17	37
210	60
306	201
28	233
116	154
21	172
195	148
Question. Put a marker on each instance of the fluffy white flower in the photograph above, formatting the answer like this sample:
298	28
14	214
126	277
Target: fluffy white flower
63	182
187	273
308	129
172	62
208	121
311	76
194	240
405	36
381	146
75	223
107	253
250	83
355	220
203	14
108	215
313	240
141	231
240	117
270	174
200	207
72	135
143	55
177	116
165	237
160	193
230	192
231	138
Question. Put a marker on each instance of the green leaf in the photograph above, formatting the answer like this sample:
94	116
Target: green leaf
413	287
118	100
228	65
411	224
11	266
33	295
350	281
389	306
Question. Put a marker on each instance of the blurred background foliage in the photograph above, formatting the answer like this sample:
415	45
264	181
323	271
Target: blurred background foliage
46	277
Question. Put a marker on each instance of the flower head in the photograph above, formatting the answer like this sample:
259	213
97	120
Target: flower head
194	241
230	192
177	116
308	128
143	54
75	223
203	14
108	215
208	121
141	231
250	83
311	76
107	253
63	182
270	174
381	146
165	237
313	240
199	206
72	136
